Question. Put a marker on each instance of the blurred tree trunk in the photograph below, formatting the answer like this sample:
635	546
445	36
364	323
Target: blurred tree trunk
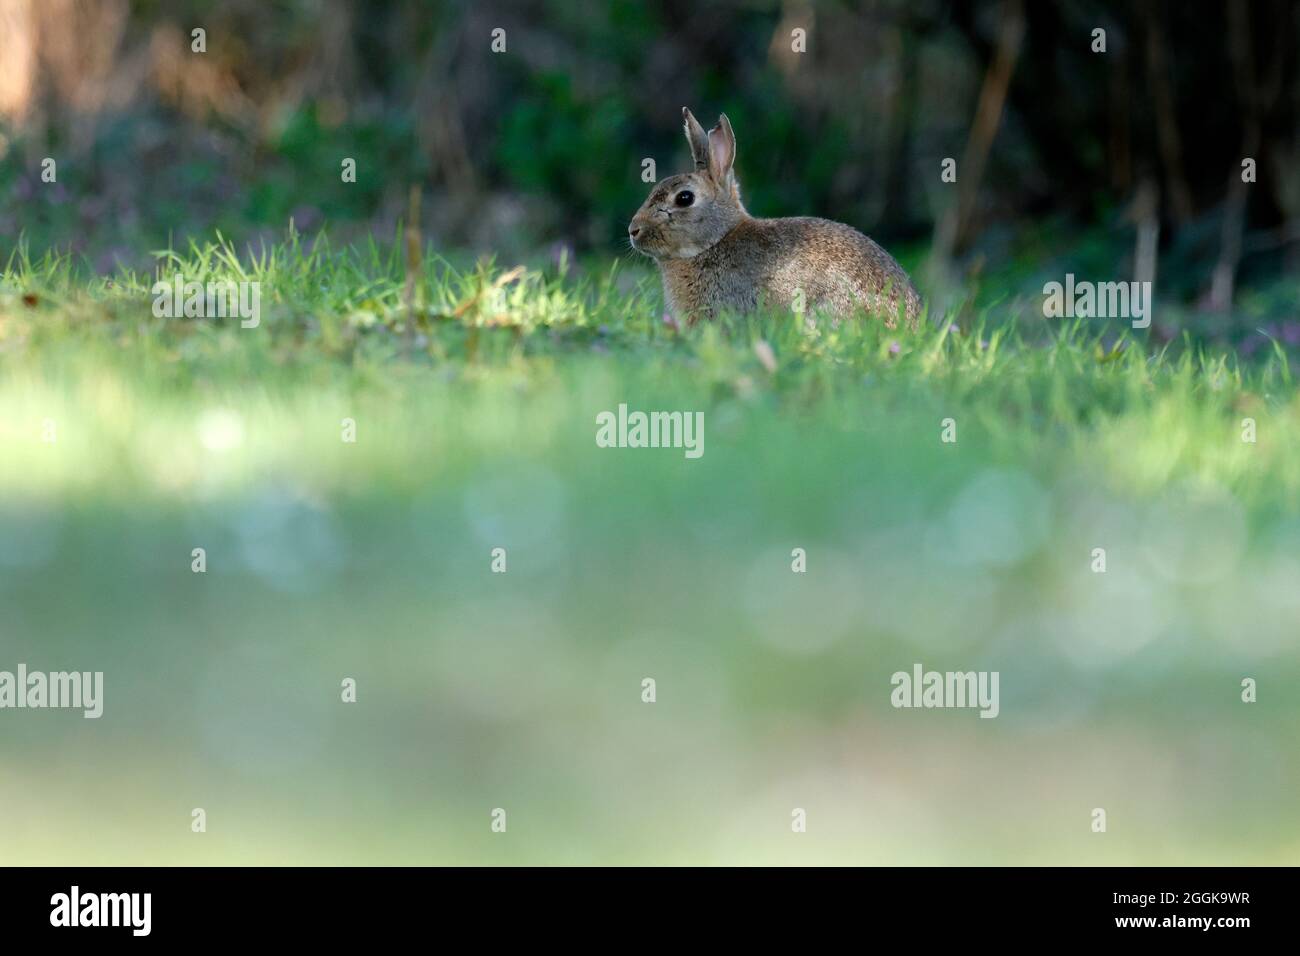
1254	99
954	226
18	58
59	68
1167	134
1146	217
1041	62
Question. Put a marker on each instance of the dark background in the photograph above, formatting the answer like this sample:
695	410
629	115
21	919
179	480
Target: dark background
1063	154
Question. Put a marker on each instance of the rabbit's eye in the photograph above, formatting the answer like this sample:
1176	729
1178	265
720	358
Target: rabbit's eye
685	198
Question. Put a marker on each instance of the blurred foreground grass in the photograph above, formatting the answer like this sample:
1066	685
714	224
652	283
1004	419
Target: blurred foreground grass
475	405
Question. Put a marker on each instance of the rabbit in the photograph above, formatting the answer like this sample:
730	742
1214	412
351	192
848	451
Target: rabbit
714	256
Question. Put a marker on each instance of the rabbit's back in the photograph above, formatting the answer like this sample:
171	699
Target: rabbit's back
835	267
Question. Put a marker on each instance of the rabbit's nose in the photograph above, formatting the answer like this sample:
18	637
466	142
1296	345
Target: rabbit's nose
633	231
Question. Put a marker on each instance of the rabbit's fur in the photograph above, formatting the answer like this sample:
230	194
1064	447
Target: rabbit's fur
715	256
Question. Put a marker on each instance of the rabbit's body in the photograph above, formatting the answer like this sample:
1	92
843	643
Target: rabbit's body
836	268
715	257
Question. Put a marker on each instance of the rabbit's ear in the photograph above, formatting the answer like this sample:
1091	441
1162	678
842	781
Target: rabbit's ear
698	139
722	149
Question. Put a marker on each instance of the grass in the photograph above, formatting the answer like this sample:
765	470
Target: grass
339	330
474	390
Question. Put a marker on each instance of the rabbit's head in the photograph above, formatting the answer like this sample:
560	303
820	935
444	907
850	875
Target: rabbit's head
686	214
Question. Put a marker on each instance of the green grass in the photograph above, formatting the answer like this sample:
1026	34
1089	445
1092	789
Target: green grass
338	331
475	398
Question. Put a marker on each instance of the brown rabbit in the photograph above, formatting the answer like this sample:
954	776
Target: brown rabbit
715	256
